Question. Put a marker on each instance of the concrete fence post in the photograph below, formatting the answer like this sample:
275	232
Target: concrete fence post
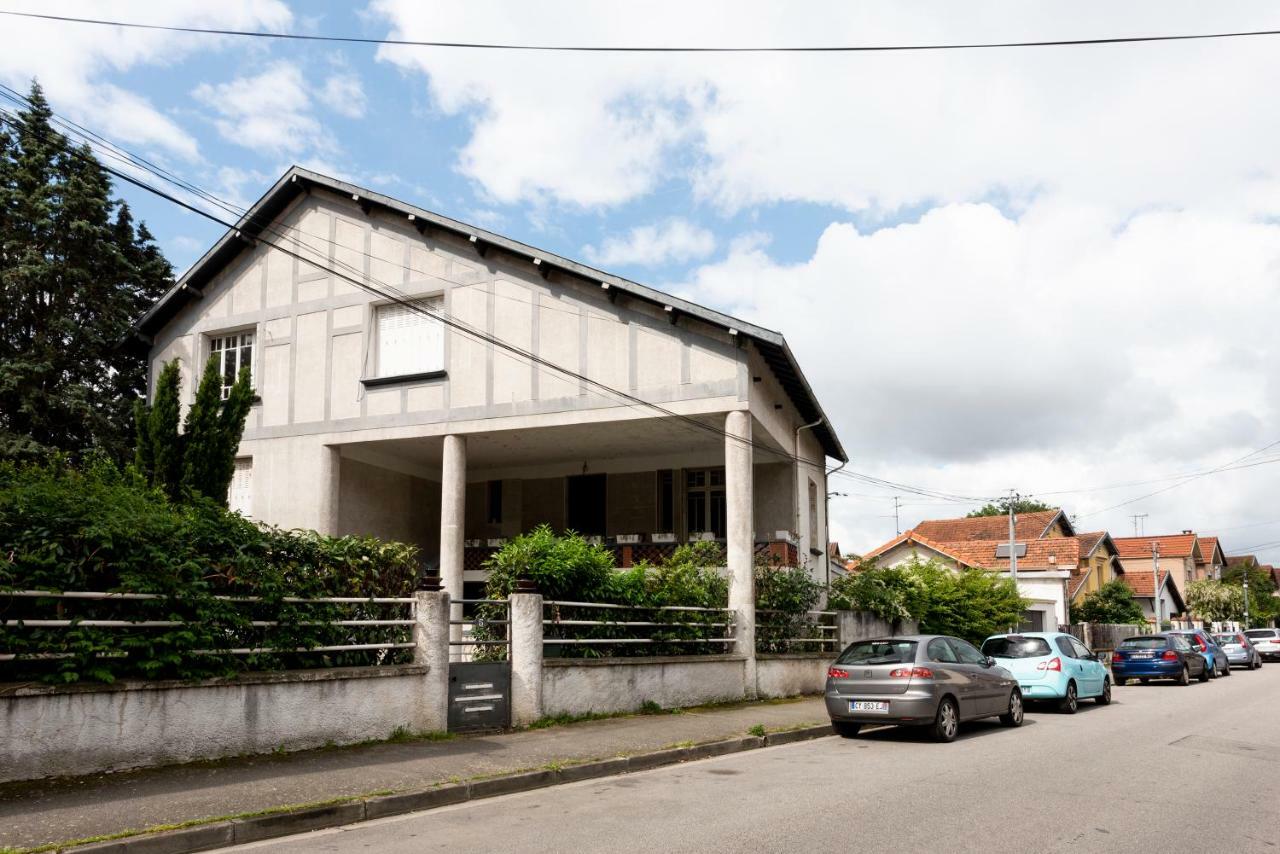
431	639
526	658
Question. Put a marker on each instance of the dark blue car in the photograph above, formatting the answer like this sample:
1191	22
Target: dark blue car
1167	656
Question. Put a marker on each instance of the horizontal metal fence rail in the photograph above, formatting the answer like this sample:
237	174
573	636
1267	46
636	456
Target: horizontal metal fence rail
479	641
807	631
89	595
716	630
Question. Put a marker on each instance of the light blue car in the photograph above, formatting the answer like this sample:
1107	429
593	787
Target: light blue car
1052	666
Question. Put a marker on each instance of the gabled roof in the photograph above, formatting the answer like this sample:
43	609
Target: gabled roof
1028	526
1171	545
1209	549
1142	585
912	537
298	181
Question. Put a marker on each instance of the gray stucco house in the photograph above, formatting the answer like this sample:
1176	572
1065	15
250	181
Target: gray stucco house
485	386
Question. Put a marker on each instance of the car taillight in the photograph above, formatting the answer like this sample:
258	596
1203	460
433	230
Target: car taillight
1054	664
837	673
911	673
1170	655
1119	653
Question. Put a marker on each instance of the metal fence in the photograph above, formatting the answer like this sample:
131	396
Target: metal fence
781	632
480	630
602	630
365	627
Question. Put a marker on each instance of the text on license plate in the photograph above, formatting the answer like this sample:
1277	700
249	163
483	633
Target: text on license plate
868	706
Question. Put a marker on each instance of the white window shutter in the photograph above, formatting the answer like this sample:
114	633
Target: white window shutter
409	341
240	492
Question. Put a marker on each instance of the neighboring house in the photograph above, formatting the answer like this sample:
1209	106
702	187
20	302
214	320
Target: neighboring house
1027	526
1044	570
1212	560
1098	564
420	414
1179	554
1140	581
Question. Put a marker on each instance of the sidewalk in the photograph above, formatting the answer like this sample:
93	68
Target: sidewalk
39	813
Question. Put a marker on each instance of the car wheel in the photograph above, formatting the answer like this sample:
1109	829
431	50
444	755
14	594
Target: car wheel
1143	680
1226	671
1206	674
1213	671
1104	699
1070	703
1184	678
946	723
845	729
1014	716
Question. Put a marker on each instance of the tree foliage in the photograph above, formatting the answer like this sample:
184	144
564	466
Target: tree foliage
1001	508
1264	606
889	593
75	273
1215	602
201	459
1113	602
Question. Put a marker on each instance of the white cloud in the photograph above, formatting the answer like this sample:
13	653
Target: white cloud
1122	125
344	94
675	239
971	352
72	60
270	111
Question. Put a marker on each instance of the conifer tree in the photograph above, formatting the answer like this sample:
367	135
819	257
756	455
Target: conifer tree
75	273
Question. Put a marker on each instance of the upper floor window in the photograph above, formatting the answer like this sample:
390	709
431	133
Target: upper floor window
233	352
410	340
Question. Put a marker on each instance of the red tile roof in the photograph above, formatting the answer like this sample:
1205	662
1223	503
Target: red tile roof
1141	584
1029	526
1208	545
913	537
1089	541
1171	545
1054	553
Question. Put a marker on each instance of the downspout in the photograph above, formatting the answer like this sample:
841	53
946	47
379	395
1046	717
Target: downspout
826	514
802	499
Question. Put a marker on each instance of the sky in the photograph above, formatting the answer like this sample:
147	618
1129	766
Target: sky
1055	270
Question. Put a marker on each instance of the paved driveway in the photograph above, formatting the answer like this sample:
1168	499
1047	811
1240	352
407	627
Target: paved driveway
1163	769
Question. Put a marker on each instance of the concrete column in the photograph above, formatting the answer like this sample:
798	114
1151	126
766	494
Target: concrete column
453	514
431	639
739	518
330	481
526	658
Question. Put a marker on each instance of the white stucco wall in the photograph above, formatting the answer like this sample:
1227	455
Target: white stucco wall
578	686
790	675
87	729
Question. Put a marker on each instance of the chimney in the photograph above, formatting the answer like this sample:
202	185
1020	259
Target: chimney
1186	531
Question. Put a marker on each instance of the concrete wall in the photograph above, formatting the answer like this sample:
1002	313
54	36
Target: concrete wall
52	731
391	505
577	686
789	675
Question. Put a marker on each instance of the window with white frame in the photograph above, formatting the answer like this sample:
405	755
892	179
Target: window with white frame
240	492
232	352
410	340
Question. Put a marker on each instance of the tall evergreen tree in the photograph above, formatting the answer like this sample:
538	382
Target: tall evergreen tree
75	272
162	430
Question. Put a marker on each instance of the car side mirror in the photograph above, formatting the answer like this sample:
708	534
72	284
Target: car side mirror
990	662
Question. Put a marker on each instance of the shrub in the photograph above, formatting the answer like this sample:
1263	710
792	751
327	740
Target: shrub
100	529
889	593
784	597
970	604
1113	602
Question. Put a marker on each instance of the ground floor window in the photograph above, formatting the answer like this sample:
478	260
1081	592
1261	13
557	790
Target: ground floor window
240	492
705	501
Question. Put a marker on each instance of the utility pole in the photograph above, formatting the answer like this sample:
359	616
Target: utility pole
1155	581
1013	521
1246	595
897	526
1135	517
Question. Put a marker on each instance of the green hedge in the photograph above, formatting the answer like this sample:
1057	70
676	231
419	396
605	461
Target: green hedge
100	529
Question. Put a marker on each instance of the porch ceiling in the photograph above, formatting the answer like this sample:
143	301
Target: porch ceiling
592	444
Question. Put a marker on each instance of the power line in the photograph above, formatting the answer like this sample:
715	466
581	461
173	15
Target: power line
573	48
399	298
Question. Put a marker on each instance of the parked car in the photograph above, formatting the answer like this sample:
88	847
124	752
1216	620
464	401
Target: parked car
1266	641
919	680
1239	650
1167	656
1052	666
1209	648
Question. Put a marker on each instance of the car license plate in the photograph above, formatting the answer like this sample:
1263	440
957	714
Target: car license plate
868	706
1144	655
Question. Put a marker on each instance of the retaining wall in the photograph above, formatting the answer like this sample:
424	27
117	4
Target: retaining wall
48	731
790	674
577	686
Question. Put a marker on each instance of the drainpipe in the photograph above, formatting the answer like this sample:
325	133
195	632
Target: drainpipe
802	498
826	514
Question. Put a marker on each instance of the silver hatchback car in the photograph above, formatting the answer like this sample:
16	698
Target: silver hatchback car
919	680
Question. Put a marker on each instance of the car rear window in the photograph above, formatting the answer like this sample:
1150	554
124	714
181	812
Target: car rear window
879	652
1015	647
1258	634
1226	639
1143	643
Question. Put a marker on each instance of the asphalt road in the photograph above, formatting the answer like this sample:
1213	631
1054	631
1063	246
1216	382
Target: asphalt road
1163	769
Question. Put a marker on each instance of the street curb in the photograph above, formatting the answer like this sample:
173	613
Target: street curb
237	831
